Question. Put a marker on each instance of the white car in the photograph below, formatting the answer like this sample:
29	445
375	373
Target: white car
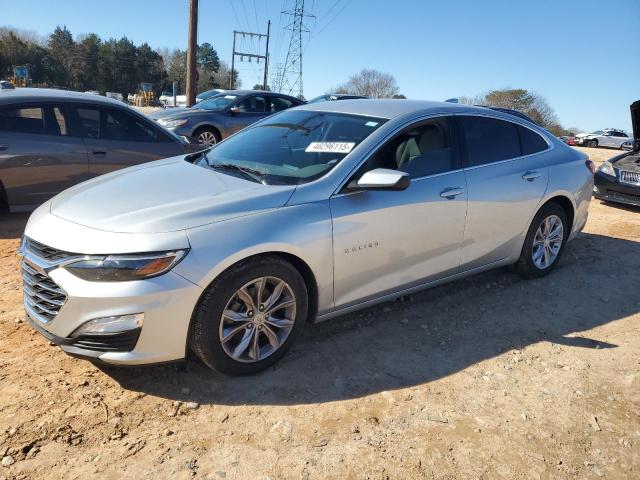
609	137
166	100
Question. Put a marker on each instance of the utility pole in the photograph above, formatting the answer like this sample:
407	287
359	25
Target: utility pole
266	55
251	55
192	51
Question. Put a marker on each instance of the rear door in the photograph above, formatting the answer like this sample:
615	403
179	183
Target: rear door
250	109
506	179
39	156
116	138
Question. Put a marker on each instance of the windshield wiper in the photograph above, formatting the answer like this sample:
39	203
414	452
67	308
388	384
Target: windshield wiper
254	175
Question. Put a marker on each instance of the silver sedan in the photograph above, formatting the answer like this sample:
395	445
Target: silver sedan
306	215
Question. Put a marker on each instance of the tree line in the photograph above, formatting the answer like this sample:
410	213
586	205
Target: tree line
88	62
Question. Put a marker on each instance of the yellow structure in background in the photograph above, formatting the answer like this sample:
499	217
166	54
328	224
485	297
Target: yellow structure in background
21	76
145	96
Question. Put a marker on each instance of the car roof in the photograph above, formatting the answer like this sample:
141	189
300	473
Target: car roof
52	94
390	108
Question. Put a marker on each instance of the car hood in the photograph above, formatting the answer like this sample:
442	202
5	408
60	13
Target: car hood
168	112
164	196
635	119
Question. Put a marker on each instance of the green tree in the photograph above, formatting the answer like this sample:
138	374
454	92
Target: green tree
62	62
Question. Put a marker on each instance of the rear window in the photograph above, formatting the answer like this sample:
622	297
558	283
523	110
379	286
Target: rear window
531	141
489	140
43	120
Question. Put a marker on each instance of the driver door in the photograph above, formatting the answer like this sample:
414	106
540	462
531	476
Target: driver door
246	111
385	241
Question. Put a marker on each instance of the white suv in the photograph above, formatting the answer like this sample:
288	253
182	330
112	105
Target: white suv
609	137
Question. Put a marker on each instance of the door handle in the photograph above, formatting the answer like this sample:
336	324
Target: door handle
451	192
530	175
99	152
3	147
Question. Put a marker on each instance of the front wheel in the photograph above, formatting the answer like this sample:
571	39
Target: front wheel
544	243
207	137
249	316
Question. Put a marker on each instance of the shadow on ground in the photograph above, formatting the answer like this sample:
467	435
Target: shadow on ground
12	224
447	329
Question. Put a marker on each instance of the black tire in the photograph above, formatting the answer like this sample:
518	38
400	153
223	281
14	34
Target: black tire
592	143
204	338
525	266
210	131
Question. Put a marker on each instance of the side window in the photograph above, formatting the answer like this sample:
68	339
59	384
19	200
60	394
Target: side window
121	126
89	119
489	140
531	142
278	104
253	104
424	149
23	120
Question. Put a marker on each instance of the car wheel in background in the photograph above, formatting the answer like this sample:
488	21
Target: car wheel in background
207	136
592	143
544	243
249	316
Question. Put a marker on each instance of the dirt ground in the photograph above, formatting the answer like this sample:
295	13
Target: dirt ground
489	377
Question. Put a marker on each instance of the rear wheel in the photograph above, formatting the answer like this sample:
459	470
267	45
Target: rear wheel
592	143
250	316
544	243
207	136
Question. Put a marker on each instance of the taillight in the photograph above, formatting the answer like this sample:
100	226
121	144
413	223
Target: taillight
591	166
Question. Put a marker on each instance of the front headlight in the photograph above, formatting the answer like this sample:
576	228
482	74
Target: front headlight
172	123
607	168
124	268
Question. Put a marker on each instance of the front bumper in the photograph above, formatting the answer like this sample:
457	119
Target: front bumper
609	189
167	303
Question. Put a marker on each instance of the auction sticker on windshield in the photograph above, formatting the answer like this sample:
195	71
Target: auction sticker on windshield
330	147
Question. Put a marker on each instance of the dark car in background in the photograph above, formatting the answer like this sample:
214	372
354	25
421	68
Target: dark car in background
618	179
214	119
332	97
53	139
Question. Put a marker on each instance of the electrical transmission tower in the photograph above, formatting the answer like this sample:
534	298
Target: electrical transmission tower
290	78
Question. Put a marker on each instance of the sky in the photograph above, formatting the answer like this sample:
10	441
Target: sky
581	55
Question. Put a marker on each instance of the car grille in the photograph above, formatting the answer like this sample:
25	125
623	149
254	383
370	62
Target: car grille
632	178
48	253
43	298
624	197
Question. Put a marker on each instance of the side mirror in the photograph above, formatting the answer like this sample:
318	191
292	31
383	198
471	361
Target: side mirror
382	179
234	110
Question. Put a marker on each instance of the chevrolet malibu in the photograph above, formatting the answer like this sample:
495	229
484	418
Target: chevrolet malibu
306	215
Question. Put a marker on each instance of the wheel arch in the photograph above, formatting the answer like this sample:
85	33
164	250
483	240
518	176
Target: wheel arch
207	126
566	204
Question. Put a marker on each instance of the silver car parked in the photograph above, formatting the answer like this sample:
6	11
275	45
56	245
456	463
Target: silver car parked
306	215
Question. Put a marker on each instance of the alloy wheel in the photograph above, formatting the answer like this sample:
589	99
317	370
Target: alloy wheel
547	242
207	138
257	319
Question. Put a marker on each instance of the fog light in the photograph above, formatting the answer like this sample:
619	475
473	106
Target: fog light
110	325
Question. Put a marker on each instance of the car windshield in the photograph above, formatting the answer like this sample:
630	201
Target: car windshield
217	102
321	98
293	147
